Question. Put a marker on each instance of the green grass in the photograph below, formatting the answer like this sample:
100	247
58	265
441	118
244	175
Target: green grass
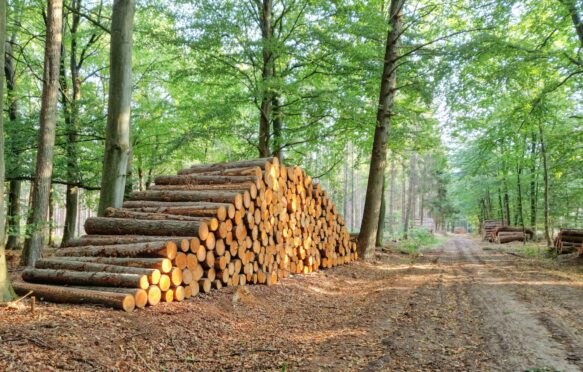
420	239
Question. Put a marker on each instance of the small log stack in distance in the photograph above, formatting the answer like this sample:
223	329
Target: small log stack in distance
507	234
569	240
488	227
227	224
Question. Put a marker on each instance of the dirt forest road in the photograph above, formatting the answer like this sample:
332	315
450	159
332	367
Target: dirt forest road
456	308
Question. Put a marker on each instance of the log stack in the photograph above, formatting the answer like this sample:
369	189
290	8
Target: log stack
507	234
226	224
488	227
569	240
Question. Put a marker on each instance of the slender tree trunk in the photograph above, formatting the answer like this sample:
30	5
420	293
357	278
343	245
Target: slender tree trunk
48	120
403	194
392	197
500	205
14	210
72	194
346	205
117	141
543	152
277	122
51	226
369	226
506	201
352	198
6	291
519	196
265	9
409	212
533	188
381	226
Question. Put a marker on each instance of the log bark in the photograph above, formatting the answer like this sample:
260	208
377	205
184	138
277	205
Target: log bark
111	226
140	295
58	264
162	264
204	180
212	222
190	196
148	249
121	239
48	276
223	167
51	293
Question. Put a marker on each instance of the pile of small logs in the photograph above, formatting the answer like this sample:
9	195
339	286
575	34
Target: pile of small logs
569	240
226	224
488	227
507	234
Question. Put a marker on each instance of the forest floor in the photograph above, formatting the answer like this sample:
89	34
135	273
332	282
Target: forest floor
465	305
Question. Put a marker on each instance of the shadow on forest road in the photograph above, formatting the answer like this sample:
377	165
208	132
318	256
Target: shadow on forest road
456	308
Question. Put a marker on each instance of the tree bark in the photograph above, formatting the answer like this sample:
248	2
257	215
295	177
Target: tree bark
576	18
49	276
410	192
543	152
112	226
392	197
163	248
117	136
71	108
48	120
533	187
381	226
369	226
6	291
265	10
14	210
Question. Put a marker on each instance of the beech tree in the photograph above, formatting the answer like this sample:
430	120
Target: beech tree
48	120
372	206
117	133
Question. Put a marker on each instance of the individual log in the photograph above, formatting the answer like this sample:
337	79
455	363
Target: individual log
106	225
137	215
165	282
162	264
118	239
156	249
205	285
259	162
85	278
510	237
53	293
203	209
154	295
215	196
199	179
152	274
140	295
221	212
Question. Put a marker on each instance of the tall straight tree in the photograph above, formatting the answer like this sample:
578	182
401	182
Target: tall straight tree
46	141
265	9
6	292
117	136
372	205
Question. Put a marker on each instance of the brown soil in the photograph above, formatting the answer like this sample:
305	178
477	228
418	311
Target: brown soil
457	308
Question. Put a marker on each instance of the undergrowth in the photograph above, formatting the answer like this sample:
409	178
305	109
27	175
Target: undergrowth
419	239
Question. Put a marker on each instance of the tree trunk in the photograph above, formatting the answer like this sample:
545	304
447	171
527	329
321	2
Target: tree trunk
410	192
369	226
14	209
48	120
500	205
381	227
6	291
71	107
265	9
117	136
277	123
519	196
533	188
392	197
576	18
543	152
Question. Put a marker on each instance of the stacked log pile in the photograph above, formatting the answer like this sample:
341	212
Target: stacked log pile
488	227
227	224
507	234
569	240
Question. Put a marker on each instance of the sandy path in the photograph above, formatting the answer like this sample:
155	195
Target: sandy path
456	308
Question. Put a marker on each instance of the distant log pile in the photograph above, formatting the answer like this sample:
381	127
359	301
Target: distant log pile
569	240
507	234
227	224
488	227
